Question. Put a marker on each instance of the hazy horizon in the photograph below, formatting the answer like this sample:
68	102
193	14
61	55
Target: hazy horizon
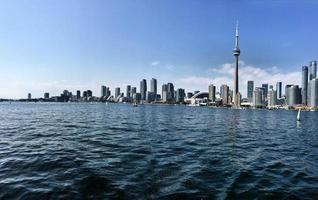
49	46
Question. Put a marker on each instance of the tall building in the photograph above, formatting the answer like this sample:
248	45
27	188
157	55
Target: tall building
225	94
293	95
212	93
29	96
84	94
286	93
304	85
236	53
143	89
117	92
89	93
314	92
279	89
265	86
46	95
128	91
103	91
272	97
133	90
312	70
180	94
250	89
78	94
153	86
168	93
258	97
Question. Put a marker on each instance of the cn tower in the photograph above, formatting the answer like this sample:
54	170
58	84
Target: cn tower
236	53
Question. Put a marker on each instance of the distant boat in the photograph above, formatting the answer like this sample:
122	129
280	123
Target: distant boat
298	115
135	105
106	103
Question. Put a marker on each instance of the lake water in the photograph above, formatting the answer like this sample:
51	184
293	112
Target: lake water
117	151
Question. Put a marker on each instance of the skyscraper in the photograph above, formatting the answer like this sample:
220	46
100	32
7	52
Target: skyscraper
133	90
29	96
170	94
272	97
236	53
153	86
212	92
78	94
108	93
117	92
180	94
164	91
250	89
103	91
304	85
225	94
46	95
258	97
314	92
279	89
293	95
128	91
312	70
265	86
143	89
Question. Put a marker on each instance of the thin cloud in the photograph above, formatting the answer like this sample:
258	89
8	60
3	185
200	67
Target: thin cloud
224	75
155	63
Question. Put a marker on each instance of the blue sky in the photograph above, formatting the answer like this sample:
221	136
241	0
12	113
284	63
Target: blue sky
51	45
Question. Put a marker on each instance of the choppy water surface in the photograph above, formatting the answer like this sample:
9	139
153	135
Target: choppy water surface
117	151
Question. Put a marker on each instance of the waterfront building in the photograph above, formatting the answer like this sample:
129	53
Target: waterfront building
258	97
117	92
265	86
225	94
279	90
189	95
29	96
286	93
84	94
153	86
168	93
103	91
46	95
136	97
89	93
236	53
250	89
312	70
293	96
164	90
314	92
133	90
272	97
108	93
212	92
304	85
78	94
180	95
143	89
128	91
150	97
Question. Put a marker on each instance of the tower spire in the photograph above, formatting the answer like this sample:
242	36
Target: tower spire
236	34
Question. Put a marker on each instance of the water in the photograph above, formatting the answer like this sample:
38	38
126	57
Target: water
117	151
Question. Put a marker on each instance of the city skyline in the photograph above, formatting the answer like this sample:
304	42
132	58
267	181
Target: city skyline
91	48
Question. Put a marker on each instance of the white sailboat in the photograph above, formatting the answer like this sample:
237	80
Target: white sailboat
298	115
